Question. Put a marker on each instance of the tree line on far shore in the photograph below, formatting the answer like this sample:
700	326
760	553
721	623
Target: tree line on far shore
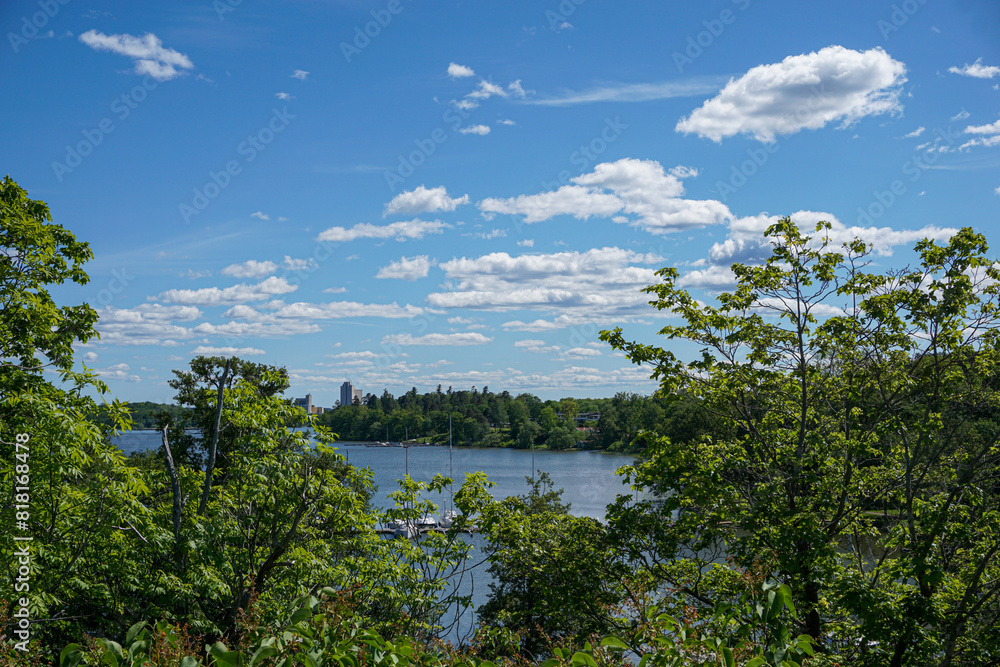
482	418
500	419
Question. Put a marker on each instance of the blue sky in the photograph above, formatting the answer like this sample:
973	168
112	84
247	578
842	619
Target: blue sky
409	193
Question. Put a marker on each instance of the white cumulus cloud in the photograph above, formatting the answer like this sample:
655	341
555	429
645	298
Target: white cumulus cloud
457	71
746	241
641	188
250	269
592	283
407	268
216	296
989	135
148	312
574	200
801	92
424	200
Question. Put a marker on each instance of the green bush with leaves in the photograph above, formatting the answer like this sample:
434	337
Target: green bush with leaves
856	456
324	630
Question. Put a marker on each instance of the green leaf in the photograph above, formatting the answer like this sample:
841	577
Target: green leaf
262	653
728	657
113	656
300	615
223	655
786	593
70	656
613	643
133	631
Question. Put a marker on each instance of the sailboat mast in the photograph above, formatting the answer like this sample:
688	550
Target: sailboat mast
451	465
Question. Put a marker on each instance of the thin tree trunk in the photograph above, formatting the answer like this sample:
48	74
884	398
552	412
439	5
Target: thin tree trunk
175	489
213	447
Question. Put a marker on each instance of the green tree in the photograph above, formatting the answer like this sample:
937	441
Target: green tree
555	576
34	331
528	435
83	498
856	459
569	409
561	437
113	544
200	389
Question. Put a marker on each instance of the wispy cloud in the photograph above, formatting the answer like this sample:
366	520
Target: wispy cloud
481	130
977	70
632	92
148	52
300	74
454	339
487	89
411	229
228	351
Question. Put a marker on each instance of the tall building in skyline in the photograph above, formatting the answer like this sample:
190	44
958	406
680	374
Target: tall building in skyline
348	393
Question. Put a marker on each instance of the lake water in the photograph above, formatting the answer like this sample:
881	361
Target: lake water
588	481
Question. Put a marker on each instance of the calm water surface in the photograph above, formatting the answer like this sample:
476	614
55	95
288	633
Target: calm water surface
588	479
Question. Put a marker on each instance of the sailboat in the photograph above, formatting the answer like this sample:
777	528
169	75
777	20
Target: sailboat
403	528
449	515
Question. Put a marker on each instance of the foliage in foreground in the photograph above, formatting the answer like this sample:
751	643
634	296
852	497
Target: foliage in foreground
857	459
326	630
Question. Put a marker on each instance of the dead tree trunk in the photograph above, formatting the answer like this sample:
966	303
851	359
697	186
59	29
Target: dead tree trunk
213	447
175	489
